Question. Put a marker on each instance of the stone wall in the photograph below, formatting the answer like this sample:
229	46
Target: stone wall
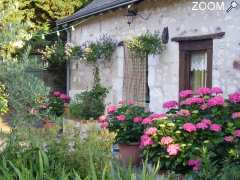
181	20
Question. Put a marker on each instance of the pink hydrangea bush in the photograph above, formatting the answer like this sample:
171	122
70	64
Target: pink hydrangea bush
203	119
128	121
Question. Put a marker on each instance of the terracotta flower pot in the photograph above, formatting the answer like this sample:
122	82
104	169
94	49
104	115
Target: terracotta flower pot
129	153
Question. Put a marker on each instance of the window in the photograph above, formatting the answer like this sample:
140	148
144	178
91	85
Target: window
195	64
195	60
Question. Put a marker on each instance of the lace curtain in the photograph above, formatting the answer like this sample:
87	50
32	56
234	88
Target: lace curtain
198	77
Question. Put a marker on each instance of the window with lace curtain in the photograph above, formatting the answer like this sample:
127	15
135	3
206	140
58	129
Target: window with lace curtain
195	66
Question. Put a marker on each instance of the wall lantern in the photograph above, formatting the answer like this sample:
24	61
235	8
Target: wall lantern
130	15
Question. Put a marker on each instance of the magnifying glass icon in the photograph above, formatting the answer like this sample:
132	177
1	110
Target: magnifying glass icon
233	5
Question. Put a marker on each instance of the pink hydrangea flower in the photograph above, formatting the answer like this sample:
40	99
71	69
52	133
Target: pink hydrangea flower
155	116
111	109
104	125
130	102
236	115
203	91
173	149
166	140
228	138
216	127
185	93
189	127
216	90
203	107
102	118
183	112
193	100
137	119
170	104
121	117
145	141
201	125
237	133
147	120
151	131
235	97
206	121
195	164
216	101
57	93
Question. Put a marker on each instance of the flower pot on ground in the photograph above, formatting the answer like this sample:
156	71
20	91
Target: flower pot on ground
129	153
128	121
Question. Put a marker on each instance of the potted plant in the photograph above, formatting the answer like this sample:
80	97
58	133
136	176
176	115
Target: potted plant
55	108
127	121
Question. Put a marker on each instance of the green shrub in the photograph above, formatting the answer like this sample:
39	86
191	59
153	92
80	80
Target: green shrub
25	91
89	104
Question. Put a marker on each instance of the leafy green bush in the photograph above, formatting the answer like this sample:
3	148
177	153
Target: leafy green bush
25	90
3	100
89	104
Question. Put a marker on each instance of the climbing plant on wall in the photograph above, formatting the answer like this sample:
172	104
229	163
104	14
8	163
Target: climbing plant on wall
148	43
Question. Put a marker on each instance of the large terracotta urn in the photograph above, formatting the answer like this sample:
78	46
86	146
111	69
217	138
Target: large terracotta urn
129	153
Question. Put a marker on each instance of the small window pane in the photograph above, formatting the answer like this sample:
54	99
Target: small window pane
198	71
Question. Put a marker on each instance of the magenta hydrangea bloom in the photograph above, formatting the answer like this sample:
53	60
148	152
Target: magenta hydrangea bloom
145	141
237	133
155	116
216	90
121	117
195	164
216	101
228	138
201	126
173	149
147	120
130	102
170	104
137	119
215	127
57	93
102	118
206	121
185	93
184	113
193	100
104	125
204	107
236	115
151	131
235	97
111	109
166	140
189	127
203	91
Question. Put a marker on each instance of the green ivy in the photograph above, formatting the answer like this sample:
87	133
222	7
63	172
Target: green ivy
148	43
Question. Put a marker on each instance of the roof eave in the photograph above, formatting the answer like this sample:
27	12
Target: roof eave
69	20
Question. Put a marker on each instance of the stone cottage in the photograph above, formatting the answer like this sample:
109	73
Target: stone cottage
203	47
